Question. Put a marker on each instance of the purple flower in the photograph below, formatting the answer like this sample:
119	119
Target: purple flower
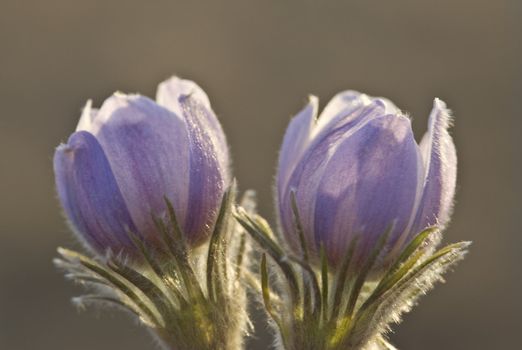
125	158
357	171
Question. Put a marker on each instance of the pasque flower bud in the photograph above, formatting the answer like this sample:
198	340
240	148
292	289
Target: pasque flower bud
124	159
356	170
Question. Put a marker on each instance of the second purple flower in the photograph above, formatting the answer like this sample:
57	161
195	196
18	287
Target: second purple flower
356	170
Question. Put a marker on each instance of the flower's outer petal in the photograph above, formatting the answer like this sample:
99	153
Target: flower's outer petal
368	186
87	117
148	150
169	94
307	176
90	195
440	163
209	171
297	136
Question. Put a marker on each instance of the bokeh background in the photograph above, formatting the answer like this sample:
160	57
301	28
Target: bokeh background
258	60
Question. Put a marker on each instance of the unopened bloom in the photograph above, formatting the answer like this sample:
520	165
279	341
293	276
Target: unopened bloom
125	158
356	170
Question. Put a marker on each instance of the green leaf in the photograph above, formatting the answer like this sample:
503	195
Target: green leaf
324	282
298	226
116	282
87	278
416	279
411	248
158	271
182	265
361	277
161	301
240	254
215	283
307	302
95	298
179	237
340	279
265	290
264	284
262	238
314	285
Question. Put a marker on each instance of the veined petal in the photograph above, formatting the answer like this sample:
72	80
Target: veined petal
440	162
307	176
296	139
374	187
90	195
209	173
147	147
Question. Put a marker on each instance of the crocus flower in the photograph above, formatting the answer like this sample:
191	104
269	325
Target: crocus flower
358	171
125	158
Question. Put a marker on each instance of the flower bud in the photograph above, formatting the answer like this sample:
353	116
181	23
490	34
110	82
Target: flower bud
357	171
126	158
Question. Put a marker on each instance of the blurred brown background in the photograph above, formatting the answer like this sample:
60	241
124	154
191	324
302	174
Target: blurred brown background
258	60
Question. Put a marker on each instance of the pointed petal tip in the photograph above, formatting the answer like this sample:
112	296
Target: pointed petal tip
87	106
311	103
437	102
312	99
87	116
440	105
441	114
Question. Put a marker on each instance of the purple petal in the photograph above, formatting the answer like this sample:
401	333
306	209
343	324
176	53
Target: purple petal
296	139
307	176
368	185
209	172
169	94
440	161
90	195
147	147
